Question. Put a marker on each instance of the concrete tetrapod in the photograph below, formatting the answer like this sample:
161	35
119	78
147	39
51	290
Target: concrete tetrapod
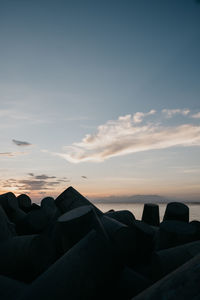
196	225
35	222
9	202
176	211
130	284
145	242
24	202
174	233
7	229
84	272
75	224
35	206
167	260
181	284
10	205
123	238
71	199
123	216
49	206
25	257
150	214
11	289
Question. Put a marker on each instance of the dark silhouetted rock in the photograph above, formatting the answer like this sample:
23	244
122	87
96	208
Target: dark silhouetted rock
71	199
165	261
123	216
174	233
24	202
151	214
176	211
181	284
86	271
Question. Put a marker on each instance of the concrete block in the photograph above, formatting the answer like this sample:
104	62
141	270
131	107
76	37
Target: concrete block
167	260
123	216
24	202
24	258
11	289
181	284
7	229
151	214
84	272
174	233
71	199
75	224
176	211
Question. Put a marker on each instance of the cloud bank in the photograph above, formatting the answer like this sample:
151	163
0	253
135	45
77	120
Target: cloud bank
127	135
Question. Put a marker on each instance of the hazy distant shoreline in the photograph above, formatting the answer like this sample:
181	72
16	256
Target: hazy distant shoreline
143	202
141	199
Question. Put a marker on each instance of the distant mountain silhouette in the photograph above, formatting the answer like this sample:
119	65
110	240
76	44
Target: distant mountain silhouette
133	199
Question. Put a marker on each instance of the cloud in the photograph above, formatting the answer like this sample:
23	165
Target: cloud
171	112
139	116
196	116
36	183
123	136
41	177
33	185
11	154
85	177
20	143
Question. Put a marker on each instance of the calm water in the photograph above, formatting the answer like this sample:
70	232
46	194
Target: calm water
137	209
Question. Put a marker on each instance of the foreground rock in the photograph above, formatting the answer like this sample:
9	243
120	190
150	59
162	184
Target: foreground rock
69	249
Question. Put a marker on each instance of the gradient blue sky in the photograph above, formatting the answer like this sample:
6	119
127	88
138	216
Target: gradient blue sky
105	95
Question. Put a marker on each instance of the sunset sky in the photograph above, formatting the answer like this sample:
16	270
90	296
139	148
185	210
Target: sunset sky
103	95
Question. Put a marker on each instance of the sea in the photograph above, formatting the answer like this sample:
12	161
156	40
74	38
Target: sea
137	209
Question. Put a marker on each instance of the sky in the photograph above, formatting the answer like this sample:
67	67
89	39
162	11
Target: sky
100	95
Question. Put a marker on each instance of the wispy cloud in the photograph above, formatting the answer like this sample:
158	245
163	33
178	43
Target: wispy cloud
123	136
171	112
11	154
139	116
41	177
84	177
21	143
196	116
